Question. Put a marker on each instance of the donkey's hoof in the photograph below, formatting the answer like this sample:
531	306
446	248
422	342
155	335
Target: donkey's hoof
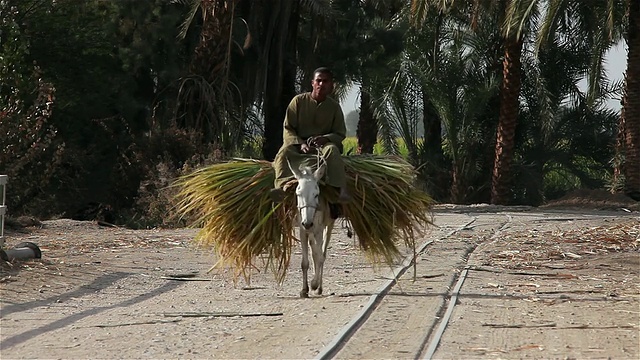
319	292
314	284
304	294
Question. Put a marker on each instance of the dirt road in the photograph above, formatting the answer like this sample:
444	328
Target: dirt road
535	283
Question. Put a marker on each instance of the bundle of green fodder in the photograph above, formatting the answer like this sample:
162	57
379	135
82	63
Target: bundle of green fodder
230	203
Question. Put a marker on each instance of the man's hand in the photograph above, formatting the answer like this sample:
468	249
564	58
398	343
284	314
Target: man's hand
319	141
304	148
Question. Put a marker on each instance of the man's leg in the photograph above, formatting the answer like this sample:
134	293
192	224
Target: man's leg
281	168
282	175
336	174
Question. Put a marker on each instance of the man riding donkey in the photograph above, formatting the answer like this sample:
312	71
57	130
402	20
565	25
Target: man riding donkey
314	124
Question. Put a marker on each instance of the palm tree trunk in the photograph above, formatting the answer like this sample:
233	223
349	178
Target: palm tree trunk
367	131
618	159
437	178
209	70
280	84
632	102
210	59
457	195
509	104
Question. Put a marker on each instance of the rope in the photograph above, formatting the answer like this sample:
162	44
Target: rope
319	158
346	224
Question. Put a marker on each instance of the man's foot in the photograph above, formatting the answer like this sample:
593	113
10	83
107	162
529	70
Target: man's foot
335	210
277	195
344	197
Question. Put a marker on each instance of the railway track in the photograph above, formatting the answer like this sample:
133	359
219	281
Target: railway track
407	316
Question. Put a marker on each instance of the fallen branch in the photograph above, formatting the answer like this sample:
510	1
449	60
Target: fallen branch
568	276
586	326
349	294
183	275
432	276
518	326
184	278
570	292
219	314
159	321
554	325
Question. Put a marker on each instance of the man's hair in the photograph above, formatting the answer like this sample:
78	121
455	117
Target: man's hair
323	70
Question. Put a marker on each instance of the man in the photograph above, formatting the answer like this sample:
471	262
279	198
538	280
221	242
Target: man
313	122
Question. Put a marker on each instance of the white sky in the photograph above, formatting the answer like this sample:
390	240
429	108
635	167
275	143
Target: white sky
616	64
351	103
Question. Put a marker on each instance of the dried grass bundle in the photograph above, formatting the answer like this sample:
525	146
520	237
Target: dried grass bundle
230	202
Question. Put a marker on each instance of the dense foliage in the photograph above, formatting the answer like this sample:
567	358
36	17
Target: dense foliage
104	103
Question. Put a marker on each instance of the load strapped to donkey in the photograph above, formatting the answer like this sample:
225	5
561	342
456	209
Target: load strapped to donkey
230	202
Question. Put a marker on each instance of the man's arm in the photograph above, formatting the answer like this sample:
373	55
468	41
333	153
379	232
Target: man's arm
338	127
290	132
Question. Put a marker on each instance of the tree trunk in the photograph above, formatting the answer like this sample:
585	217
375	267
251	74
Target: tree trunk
618	158
210	64
437	178
367	131
456	186
280	84
210	54
632	103
509	104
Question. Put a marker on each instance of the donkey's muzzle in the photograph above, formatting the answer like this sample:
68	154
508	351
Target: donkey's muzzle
307	224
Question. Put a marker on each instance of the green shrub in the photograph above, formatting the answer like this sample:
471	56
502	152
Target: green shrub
350	145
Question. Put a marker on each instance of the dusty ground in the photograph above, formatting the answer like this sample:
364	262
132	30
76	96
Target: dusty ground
555	282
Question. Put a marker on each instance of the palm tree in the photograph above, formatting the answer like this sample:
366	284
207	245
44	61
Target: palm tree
206	100
376	42
562	130
516	16
280	69
603	24
447	83
367	130
253	50
631	102
432	158
459	95
580	19
598	24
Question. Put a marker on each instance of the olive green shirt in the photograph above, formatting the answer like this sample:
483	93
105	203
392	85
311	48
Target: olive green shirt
306	118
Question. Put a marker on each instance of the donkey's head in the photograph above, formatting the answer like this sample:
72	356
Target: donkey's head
308	194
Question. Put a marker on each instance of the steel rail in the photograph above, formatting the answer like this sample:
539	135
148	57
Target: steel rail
433	345
352	327
444	321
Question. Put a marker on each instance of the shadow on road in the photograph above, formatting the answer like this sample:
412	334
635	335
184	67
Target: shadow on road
25	336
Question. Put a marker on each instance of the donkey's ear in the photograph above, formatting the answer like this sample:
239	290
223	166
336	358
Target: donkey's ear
295	171
319	173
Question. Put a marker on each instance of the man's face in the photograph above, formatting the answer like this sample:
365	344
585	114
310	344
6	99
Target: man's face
322	86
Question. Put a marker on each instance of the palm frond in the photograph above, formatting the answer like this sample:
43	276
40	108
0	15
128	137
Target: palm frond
321	8
194	6
546	32
231	205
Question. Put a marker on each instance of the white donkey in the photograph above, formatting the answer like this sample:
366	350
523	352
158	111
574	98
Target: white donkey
315	224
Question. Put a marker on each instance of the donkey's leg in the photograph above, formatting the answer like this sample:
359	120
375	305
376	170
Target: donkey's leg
304	240
326	237
318	260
